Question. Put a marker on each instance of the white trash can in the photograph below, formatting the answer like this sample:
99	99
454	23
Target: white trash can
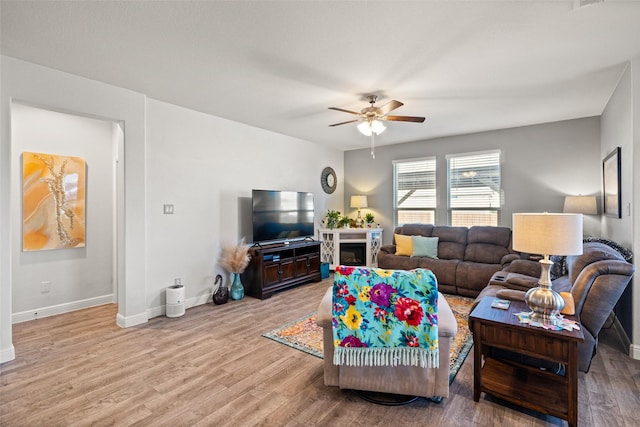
175	301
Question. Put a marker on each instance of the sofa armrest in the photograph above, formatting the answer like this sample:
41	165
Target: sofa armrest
511	294
525	267
387	250
325	309
508	259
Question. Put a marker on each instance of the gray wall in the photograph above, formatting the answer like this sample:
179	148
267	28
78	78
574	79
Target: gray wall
541	164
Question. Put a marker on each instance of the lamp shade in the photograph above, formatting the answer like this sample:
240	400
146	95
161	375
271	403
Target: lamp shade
371	127
580	204
547	233
359	202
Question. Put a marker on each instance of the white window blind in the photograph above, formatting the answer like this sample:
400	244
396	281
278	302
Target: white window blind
414	183
474	188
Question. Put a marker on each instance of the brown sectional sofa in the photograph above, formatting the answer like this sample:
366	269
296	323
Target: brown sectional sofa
467	257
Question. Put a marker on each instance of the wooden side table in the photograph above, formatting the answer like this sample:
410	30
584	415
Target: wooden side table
527	386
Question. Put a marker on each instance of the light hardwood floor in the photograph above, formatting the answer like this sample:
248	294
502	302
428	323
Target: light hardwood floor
212	368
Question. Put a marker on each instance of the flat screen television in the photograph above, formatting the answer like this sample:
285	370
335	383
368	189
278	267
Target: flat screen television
282	215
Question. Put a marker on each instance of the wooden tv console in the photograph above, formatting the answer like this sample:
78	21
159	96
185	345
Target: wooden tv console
279	266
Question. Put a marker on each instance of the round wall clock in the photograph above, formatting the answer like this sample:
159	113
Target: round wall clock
328	180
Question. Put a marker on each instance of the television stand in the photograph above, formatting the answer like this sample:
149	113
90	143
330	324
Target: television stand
280	266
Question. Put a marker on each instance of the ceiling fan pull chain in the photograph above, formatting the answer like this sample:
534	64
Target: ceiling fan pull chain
373	147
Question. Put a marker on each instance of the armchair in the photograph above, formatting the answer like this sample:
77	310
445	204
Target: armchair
429	382
595	279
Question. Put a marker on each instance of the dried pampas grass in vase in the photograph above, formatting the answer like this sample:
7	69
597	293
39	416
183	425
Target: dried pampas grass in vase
234	259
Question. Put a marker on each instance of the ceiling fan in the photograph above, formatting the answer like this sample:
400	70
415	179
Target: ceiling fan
371	118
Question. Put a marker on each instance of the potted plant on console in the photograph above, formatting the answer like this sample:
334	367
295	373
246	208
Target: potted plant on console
332	219
345	222
234	259
369	219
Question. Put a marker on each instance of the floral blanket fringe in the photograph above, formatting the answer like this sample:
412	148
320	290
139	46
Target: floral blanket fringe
385	317
377	356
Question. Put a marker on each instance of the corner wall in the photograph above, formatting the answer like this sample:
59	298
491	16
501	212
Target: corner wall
203	165
39	86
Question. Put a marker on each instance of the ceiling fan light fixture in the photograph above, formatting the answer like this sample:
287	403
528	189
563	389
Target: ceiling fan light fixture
370	127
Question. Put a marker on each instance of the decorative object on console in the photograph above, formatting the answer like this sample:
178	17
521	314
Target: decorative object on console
328	180
359	202
546	234
368	217
234	259
585	205
221	293
332	219
345	222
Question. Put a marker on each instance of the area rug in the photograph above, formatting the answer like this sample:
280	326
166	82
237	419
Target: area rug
305	335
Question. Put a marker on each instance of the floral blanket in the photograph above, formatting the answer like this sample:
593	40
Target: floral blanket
385	317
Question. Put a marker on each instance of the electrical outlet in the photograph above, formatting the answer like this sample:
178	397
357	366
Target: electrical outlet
177	281
45	287
168	209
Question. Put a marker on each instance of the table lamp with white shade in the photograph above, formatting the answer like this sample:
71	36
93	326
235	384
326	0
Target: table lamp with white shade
546	234
359	202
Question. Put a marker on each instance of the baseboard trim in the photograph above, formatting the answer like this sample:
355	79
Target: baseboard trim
188	303
7	354
38	313
634	350
129	321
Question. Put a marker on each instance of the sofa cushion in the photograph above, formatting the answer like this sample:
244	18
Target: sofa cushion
487	244
444	269
415	230
425	246
404	245
452	241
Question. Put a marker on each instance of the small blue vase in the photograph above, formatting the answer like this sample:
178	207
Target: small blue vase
237	289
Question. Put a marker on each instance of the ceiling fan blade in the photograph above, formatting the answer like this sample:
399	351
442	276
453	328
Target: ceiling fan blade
344	123
405	119
343	110
388	107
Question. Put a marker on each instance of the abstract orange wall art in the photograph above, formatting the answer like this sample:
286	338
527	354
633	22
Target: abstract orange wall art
53	201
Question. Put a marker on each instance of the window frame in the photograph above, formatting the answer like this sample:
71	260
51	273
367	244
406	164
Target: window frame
431	209
477	209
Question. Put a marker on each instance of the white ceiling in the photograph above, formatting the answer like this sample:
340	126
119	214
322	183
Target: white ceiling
468	66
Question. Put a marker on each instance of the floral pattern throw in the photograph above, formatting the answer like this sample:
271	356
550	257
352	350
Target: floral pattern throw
385	317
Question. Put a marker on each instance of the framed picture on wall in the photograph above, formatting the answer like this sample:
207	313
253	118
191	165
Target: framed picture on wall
612	191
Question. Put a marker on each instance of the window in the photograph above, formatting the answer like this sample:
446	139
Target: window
414	187
474	188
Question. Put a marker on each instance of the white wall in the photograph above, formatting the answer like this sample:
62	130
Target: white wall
203	165
39	86
542	164
79	273
206	167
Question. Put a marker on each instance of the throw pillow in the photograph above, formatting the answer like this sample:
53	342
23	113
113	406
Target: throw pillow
425	246
404	244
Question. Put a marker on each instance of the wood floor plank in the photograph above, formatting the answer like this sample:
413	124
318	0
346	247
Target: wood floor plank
212	367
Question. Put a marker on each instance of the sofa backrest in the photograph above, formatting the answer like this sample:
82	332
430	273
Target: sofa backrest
414	230
487	244
591	252
452	241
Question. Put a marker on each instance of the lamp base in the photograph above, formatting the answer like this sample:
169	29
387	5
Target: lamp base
359	221
544	302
